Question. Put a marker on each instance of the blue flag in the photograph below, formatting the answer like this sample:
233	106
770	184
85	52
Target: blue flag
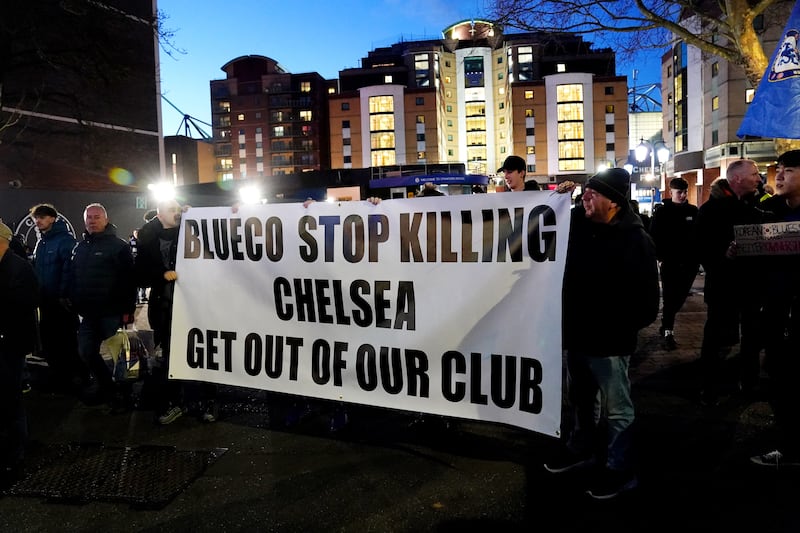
775	109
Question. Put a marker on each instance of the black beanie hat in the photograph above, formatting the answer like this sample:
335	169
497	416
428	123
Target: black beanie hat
679	184
613	183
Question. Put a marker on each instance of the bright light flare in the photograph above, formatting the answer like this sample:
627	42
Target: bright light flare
162	191
250	195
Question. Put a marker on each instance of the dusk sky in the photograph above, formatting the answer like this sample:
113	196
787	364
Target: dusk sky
310	36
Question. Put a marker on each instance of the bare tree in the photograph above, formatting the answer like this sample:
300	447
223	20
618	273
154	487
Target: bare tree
729	29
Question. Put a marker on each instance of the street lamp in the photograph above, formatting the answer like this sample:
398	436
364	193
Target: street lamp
658	149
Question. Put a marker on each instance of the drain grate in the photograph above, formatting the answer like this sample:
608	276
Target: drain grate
144	476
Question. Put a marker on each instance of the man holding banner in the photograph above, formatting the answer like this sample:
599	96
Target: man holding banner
782	319
610	292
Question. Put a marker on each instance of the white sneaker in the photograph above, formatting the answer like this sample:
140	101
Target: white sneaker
172	414
775	459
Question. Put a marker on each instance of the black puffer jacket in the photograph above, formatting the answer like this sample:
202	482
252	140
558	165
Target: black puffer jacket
726	278
20	292
102	281
610	285
674	230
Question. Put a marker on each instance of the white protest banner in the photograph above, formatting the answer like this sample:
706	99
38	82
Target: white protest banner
778	238
445	305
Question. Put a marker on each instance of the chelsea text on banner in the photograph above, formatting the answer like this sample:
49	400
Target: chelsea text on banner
443	305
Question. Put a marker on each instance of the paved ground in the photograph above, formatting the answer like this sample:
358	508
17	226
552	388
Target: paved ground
384	473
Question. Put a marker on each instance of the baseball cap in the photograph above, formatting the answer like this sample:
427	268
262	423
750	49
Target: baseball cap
512	163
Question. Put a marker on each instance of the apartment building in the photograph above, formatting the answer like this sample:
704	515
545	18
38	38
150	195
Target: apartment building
704	101
267	121
478	95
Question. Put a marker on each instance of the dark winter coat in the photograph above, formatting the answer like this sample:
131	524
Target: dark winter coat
157	252
725	278
52	261
674	231
781	279
611	286
19	291
102	282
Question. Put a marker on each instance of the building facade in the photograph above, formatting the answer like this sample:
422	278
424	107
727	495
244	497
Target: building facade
80	115
267	121
704	101
469	99
477	96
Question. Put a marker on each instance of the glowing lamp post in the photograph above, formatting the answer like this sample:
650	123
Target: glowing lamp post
655	150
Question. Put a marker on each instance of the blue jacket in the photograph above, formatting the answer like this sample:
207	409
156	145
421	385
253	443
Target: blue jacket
52	261
102	282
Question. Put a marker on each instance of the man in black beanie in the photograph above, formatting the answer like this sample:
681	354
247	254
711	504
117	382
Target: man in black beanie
610	293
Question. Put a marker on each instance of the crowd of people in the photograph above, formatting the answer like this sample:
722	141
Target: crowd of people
80	292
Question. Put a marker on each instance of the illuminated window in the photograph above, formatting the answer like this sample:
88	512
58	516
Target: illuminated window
277	131
381	104
715	103
305	86
570	129
528	95
610	108
447	79
529	113
331	90
420	155
305	116
561	67
748	95
420	119
381	122
531	149
387	78
240	116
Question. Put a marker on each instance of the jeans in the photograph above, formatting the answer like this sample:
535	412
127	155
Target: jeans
601	382
91	333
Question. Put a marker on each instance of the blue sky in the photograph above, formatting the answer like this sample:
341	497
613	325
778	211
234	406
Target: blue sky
304	36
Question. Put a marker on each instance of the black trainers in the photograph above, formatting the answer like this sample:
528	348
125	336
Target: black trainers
612	483
567	461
